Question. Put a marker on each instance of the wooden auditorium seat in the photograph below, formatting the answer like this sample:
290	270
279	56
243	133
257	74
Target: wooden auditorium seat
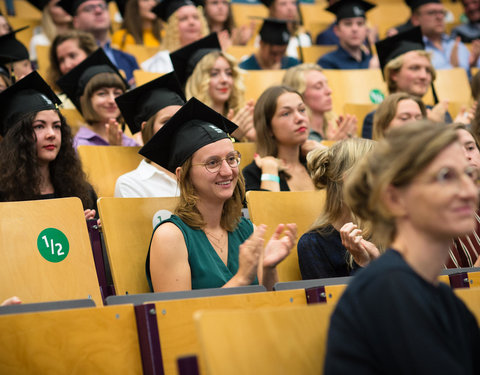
256	81
22	9
313	53
104	164
273	208
241	52
247	151
46	252
471	298
74	119
97	340
127	230
142	76
20	21
43	62
360	110
387	15
355	86
141	52
267	341
243	13
453	85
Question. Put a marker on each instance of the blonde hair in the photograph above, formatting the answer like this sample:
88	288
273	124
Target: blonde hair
197	84
396	160
387	110
394	66
172	33
95	83
187	206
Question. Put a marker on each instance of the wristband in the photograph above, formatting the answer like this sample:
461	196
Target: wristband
270	177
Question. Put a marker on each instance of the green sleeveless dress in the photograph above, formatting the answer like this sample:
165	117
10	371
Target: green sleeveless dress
206	267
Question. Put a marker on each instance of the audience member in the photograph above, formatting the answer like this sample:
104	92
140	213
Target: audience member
54	21
140	25
419	191
309	80
351	30
271	53
92	86
68	50
207	243
447	52
469	31
321	253
147	108
14	56
213	77
396	110
5	27
288	10
281	123
92	16
185	24
37	159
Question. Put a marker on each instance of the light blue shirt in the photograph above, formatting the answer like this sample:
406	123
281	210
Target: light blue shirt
107	48
441	58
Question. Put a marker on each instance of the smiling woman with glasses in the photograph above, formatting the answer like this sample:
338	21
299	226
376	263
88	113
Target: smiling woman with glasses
207	243
419	191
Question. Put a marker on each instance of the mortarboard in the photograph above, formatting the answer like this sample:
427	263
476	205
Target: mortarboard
145	101
166	8
414	4
350	8
390	48
71	6
39	4
267	3
186	58
121	4
74	82
30	94
195	125
12	50
274	31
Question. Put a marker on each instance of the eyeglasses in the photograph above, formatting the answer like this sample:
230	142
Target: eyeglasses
92	7
432	13
214	164
451	177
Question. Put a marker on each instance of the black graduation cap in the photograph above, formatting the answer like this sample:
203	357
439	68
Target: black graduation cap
12	50
390	48
30	94
267	3
74	82
195	125
145	101
39	4
185	59
166	8
121	4
71	6
350	8
275	31
414	4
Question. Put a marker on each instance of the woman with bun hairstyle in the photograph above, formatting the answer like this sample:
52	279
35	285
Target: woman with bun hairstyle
321	252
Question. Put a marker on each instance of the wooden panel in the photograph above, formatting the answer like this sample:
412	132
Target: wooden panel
243	13
334	292
24	9
264	341
127	229
141	52
26	35
142	76
313	53
101	340
360	110
474	279
471	298
273	208
104	164
452	85
240	52
256	81
176	323
247	150
25	272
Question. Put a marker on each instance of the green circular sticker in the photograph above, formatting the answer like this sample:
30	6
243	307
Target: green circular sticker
376	96
53	245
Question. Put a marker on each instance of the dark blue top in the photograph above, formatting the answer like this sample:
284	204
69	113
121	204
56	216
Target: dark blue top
367	127
123	61
322	255
391	321
341	59
252	64
327	37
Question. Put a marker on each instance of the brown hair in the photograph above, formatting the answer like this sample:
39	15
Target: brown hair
187	206
132	22
387	110
396	160
97	82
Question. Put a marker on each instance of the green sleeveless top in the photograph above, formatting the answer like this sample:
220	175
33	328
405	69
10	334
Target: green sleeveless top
206	267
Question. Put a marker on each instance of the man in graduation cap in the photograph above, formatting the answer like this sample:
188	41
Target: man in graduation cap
447	52
406	67
147	108
14	56
92	16
271	53
351	30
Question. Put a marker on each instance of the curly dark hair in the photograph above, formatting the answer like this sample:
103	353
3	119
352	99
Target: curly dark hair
19	175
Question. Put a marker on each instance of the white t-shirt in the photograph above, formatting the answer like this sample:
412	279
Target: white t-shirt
158	63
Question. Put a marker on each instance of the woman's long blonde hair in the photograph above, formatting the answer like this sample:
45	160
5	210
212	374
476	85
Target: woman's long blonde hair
172	33
198	82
